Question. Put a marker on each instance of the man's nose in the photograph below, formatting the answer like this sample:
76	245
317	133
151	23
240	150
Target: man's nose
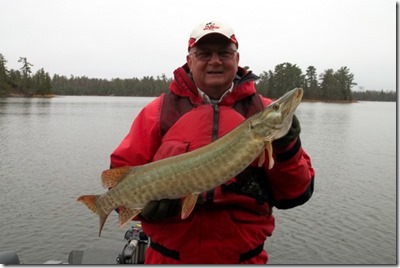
214	57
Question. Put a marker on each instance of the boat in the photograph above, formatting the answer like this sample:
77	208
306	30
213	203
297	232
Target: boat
132	253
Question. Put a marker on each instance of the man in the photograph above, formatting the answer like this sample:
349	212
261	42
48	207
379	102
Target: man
209	96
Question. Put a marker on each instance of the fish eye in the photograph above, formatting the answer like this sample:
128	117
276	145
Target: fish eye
275	107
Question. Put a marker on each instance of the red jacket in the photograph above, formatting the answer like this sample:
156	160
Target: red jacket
232	227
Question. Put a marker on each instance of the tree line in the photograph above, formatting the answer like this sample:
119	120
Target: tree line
330	85
22	80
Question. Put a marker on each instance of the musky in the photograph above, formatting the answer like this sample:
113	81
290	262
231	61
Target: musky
128	38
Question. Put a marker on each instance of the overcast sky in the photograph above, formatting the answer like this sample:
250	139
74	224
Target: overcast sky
129	38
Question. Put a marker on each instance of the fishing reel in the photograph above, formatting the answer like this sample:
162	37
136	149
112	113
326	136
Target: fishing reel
134	251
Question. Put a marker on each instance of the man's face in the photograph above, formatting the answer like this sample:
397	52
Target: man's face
213	62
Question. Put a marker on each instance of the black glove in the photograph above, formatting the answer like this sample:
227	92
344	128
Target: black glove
159	209
293	133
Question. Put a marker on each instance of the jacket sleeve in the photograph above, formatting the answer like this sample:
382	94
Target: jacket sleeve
143	139
291	179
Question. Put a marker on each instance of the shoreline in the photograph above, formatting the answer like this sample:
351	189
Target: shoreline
21	95
18	95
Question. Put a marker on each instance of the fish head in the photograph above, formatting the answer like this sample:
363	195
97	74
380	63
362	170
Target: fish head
276	119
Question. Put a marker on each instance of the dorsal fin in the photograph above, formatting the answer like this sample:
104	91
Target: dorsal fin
111	177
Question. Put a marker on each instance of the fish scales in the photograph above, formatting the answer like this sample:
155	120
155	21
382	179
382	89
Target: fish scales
199	170
231	157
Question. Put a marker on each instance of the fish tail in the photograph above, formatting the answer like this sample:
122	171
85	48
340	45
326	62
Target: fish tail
91	202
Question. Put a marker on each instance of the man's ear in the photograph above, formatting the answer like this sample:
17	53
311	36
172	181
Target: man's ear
189	61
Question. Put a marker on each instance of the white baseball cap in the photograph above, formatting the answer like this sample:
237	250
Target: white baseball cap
211	27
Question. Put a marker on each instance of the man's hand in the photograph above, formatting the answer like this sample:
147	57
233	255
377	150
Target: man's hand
160	209
292	133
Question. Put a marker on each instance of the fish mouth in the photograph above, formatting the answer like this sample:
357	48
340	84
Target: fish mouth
289	103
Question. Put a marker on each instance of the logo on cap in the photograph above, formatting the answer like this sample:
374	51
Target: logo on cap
210	27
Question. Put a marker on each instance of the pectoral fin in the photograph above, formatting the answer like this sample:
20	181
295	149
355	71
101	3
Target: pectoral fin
188	204
261	159
271	162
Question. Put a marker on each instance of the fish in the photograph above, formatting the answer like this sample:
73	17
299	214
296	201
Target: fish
187	175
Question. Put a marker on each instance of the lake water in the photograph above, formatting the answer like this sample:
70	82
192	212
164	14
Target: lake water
54	150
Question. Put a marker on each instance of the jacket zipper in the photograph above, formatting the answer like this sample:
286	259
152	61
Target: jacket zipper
209	195
215	126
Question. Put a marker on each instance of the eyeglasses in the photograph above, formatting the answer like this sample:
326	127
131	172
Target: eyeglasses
207	55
